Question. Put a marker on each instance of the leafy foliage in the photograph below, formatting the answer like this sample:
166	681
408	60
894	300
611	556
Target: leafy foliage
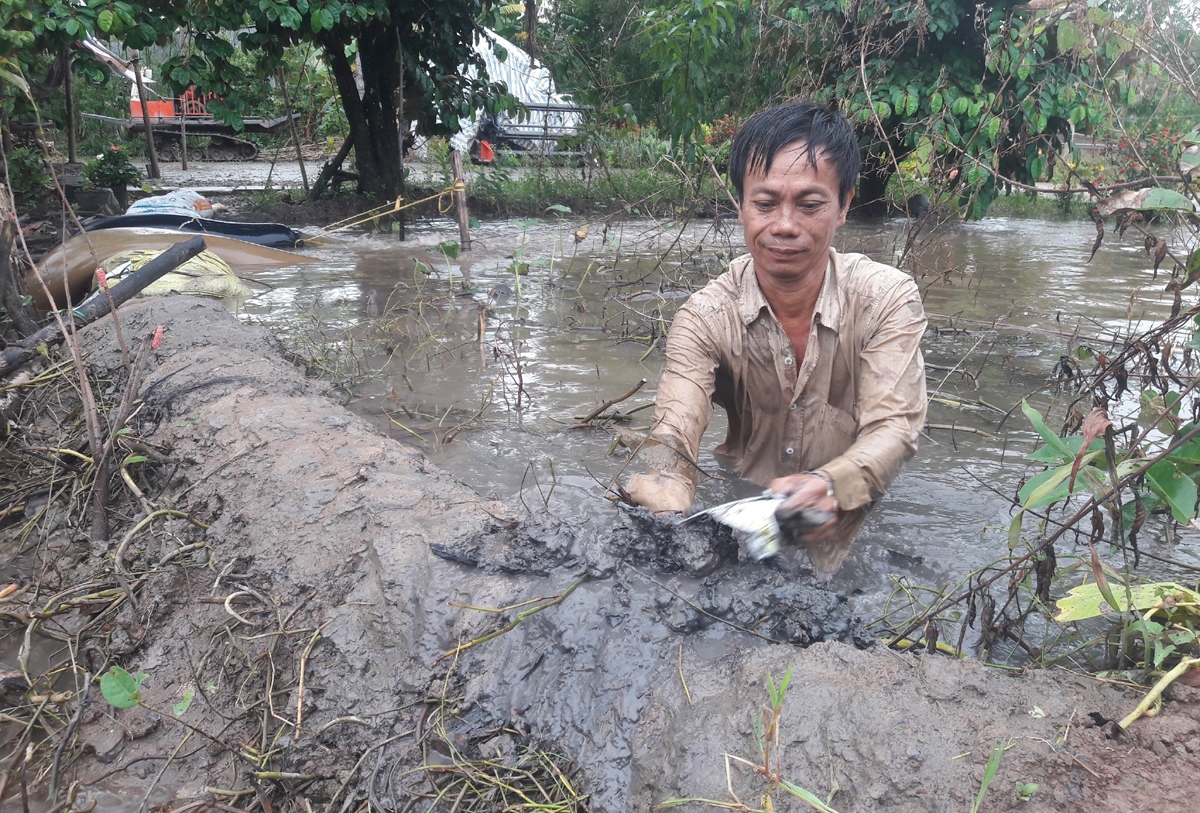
111	167
27	170
120	688
984	92
683	41
436	40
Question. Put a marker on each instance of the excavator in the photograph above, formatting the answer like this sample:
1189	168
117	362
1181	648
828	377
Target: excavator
173	118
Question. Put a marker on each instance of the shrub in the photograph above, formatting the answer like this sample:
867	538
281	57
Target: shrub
111	167
27	171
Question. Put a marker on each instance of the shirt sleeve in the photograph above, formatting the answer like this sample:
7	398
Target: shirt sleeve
683	406
891	401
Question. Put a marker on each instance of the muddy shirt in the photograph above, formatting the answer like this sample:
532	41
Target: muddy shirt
853	406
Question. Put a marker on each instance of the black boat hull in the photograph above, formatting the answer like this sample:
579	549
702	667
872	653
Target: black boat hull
275	235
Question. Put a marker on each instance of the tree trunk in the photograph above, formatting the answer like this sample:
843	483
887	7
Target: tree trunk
531	45
372	116
871	200
121	193
12	286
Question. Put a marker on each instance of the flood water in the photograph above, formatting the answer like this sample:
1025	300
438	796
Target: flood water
585	324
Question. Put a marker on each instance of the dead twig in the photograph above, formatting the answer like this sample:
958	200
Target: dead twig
591	416
303	664
511	625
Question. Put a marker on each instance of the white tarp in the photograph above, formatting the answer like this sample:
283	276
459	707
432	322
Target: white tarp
550	115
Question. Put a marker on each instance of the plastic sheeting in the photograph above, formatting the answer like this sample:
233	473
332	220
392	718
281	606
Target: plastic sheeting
206	274
180	202
550	115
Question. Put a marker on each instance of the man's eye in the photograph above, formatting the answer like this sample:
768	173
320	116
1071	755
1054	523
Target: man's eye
763	205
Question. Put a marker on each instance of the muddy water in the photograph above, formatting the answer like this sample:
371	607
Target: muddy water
585	324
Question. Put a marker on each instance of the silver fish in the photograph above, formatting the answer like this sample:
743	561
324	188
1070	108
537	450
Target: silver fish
756	520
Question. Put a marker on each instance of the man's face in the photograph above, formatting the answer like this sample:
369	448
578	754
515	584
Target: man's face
790	214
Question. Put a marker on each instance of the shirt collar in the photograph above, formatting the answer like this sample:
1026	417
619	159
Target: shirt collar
751	300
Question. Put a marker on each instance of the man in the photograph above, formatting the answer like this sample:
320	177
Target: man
814	355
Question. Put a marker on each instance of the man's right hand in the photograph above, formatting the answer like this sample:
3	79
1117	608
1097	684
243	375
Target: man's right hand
660	492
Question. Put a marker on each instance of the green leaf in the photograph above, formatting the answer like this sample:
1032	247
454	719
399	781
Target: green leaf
135	458
120	688
1187	453
1069	36
1051	456
806	796
1159	198
1051	439
1053	485
15	80
1153	405
1086	600
558	207
989	773
992	128
448	248
105	20
182	706
1176	488
1014	530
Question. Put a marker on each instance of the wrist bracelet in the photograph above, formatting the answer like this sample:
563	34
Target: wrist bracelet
825	478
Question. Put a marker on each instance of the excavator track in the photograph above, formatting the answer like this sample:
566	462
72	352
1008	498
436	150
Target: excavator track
207	139
219	148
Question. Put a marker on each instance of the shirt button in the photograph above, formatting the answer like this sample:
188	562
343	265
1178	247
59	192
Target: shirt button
787	362
792	407
790	450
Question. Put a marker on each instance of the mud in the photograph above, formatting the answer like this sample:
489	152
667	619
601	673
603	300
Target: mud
337	553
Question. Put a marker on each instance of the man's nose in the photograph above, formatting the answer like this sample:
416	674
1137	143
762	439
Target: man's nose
786	221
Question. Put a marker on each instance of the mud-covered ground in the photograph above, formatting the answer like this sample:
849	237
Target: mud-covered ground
316	620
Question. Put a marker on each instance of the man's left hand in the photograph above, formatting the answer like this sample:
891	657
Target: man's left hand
807	491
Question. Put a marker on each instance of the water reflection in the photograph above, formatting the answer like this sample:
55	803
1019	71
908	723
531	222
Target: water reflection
459	344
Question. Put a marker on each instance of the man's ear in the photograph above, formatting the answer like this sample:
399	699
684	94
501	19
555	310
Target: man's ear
739	211
845	209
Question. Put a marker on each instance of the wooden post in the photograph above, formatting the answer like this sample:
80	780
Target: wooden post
72	157
287	106
136	59
183	111
460	203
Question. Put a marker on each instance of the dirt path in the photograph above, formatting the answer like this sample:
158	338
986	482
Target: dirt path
338	554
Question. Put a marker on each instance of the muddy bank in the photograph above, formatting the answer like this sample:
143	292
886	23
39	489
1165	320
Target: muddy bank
338	554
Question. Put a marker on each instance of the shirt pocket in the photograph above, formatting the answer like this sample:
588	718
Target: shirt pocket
831	433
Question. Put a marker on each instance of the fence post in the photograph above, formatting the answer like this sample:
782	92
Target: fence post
460	202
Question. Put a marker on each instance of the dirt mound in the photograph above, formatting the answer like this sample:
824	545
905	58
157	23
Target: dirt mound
332	623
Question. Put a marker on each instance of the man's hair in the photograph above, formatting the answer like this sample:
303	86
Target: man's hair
825	133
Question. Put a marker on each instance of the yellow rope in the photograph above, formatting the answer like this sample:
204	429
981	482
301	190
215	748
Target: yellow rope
445	200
